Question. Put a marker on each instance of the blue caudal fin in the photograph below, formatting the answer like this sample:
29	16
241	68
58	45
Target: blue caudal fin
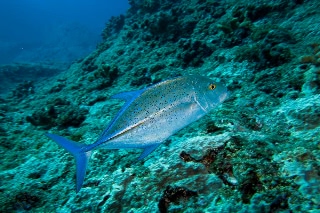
76	149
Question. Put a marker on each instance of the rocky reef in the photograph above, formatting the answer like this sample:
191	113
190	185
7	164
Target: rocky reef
258	152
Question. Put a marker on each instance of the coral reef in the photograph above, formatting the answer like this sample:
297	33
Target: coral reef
258	152
114	25
13	74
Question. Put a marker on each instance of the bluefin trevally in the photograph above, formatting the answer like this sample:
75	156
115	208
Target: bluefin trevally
149	116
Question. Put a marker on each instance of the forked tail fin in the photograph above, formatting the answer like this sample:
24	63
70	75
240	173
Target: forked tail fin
77	150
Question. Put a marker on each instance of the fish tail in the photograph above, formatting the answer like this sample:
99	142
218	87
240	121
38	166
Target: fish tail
77	150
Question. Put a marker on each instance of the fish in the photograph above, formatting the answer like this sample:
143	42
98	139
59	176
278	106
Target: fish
148	117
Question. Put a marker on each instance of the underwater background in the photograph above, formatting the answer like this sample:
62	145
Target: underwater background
259	151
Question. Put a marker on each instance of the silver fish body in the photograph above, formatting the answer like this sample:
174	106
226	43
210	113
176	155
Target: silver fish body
150	116
160	111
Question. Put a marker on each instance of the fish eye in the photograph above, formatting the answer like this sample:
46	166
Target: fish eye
212	86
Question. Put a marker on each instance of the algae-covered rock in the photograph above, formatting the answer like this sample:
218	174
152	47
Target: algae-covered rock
60	113
174	194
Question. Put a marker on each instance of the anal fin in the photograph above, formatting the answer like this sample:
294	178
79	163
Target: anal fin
148	150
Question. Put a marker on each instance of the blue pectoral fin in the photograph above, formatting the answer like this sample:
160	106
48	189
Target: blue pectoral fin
147	151
76	149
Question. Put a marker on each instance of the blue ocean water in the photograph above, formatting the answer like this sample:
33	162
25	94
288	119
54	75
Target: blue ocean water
85	70
53	31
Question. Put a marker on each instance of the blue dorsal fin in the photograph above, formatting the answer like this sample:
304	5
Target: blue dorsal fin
148	150
128	96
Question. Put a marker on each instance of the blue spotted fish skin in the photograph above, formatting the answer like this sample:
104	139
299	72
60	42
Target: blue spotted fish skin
160	111
150	116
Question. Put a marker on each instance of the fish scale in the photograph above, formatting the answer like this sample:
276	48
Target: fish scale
149	116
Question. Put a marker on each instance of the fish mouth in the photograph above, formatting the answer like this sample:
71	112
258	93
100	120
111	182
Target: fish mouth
224	96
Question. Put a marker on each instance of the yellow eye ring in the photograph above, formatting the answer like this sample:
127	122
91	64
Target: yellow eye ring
212	86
